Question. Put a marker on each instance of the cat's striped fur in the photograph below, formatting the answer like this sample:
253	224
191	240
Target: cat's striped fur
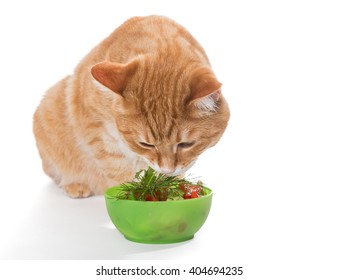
146	95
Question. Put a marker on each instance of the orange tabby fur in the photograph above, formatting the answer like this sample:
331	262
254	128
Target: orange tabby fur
146	95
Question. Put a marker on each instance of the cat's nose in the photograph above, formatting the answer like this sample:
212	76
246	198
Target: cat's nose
168	170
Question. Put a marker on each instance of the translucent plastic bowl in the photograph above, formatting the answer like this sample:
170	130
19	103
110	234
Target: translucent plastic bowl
158	221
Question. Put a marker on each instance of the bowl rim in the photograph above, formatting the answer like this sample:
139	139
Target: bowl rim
109	197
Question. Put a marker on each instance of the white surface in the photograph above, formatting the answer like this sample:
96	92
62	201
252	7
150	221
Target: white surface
274	174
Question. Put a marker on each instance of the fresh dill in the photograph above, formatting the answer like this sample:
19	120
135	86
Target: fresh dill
148	185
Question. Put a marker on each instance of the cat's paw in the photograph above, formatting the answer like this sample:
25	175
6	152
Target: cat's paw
77	190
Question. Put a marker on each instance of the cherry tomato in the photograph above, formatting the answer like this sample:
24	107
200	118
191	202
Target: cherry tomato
196	189
194	195
149	197
182	187
187	195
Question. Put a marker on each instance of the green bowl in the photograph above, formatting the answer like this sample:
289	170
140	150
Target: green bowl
158	222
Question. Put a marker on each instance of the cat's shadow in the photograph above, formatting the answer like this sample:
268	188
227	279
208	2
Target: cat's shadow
65	228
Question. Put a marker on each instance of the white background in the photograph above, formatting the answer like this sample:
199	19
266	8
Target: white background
274	173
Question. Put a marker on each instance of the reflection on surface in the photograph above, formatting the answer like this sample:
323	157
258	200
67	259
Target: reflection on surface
63	228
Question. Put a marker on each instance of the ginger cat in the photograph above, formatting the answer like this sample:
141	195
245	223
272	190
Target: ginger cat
146	95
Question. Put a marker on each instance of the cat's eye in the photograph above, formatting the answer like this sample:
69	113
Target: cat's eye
146	145
185	145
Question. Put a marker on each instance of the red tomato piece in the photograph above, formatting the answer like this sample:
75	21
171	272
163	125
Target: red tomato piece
187	195
149	197
194	195
182	187
196	189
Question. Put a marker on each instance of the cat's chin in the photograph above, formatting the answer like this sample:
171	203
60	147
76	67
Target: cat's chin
178	171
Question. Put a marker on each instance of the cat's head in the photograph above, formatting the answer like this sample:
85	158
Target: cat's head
166	114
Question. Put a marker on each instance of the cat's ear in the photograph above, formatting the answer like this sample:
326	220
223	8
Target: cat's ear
205	89
113	76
